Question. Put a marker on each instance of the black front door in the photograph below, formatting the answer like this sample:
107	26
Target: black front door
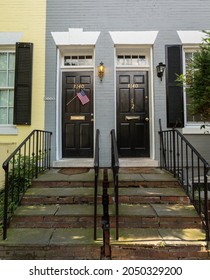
77	119
133	114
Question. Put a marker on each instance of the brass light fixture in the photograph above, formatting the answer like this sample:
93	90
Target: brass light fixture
101	71
160	70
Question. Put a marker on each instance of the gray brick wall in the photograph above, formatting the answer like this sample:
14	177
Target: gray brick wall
119	15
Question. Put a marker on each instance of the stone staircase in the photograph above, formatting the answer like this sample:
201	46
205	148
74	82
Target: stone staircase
156	219
55	218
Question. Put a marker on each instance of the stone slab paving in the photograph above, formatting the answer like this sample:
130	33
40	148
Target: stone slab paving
147	210
140	191
74	236
42	236
36	210
27	236
43	192
174	210
136	236
159	237
57	210
55	175
77	210
140	210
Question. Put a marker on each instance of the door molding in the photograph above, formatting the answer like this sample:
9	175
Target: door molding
132	116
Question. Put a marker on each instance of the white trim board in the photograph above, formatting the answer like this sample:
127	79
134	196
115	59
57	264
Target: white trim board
75	36
133	37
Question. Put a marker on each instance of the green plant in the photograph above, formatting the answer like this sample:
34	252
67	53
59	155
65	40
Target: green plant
197	80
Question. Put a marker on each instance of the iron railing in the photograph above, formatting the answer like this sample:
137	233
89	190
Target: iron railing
178	156
115	170
30	158
96	168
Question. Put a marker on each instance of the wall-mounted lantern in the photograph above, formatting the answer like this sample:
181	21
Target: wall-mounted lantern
101	71
160	70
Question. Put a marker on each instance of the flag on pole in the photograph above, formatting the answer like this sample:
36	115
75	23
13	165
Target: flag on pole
83	97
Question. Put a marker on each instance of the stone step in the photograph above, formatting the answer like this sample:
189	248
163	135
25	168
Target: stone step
81	195
51	244
137	195
67	177
146	177
157	216
55	216
76	244
156	244
136	216
60	195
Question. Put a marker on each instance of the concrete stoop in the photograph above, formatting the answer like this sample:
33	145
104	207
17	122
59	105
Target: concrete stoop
55	218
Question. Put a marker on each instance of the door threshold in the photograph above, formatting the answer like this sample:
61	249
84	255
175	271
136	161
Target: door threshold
138	162
73	162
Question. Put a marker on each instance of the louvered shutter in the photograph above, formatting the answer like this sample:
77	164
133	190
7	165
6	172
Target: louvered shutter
23	83
174	92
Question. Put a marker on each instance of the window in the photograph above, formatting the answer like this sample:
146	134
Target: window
134	60
78	60
7	72
190	119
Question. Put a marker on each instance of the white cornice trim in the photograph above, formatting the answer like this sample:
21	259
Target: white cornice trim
133	37
191	37
75	36
10	38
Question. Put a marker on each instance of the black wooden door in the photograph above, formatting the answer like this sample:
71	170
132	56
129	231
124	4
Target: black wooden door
132	114
77	119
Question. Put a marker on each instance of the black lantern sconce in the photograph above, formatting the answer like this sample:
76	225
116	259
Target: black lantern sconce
160	70
101	71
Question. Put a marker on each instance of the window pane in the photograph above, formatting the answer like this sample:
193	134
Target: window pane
128	59
10	121
3	98
3	61
3	78
120	59
11	98
3	115
11	79
11	61
135	60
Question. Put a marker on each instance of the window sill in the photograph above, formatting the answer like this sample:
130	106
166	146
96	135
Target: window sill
195	130
8	130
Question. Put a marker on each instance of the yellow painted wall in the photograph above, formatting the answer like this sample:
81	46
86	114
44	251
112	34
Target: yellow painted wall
29	18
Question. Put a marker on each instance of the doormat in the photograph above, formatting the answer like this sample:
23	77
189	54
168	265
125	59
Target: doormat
72	171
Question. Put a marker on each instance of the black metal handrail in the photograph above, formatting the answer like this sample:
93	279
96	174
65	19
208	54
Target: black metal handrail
30	158
96	168
178	156
115	170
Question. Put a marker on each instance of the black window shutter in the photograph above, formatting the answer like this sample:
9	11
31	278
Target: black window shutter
174	92
23	83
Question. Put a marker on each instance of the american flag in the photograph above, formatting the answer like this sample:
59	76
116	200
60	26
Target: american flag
83	97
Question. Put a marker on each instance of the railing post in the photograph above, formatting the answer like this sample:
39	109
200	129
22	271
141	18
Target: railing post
105	218
174	152
96	168
15	172
37	152
162	146
207	202
6	194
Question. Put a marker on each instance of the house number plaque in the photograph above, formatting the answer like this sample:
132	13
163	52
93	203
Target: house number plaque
79	86
133	85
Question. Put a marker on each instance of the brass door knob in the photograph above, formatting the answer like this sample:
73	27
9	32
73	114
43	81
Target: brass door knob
146	119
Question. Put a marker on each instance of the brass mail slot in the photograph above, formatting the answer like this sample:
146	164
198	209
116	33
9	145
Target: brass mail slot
77	118
129	118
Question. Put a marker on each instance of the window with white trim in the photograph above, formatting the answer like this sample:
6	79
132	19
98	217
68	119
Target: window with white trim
190	119
7	73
